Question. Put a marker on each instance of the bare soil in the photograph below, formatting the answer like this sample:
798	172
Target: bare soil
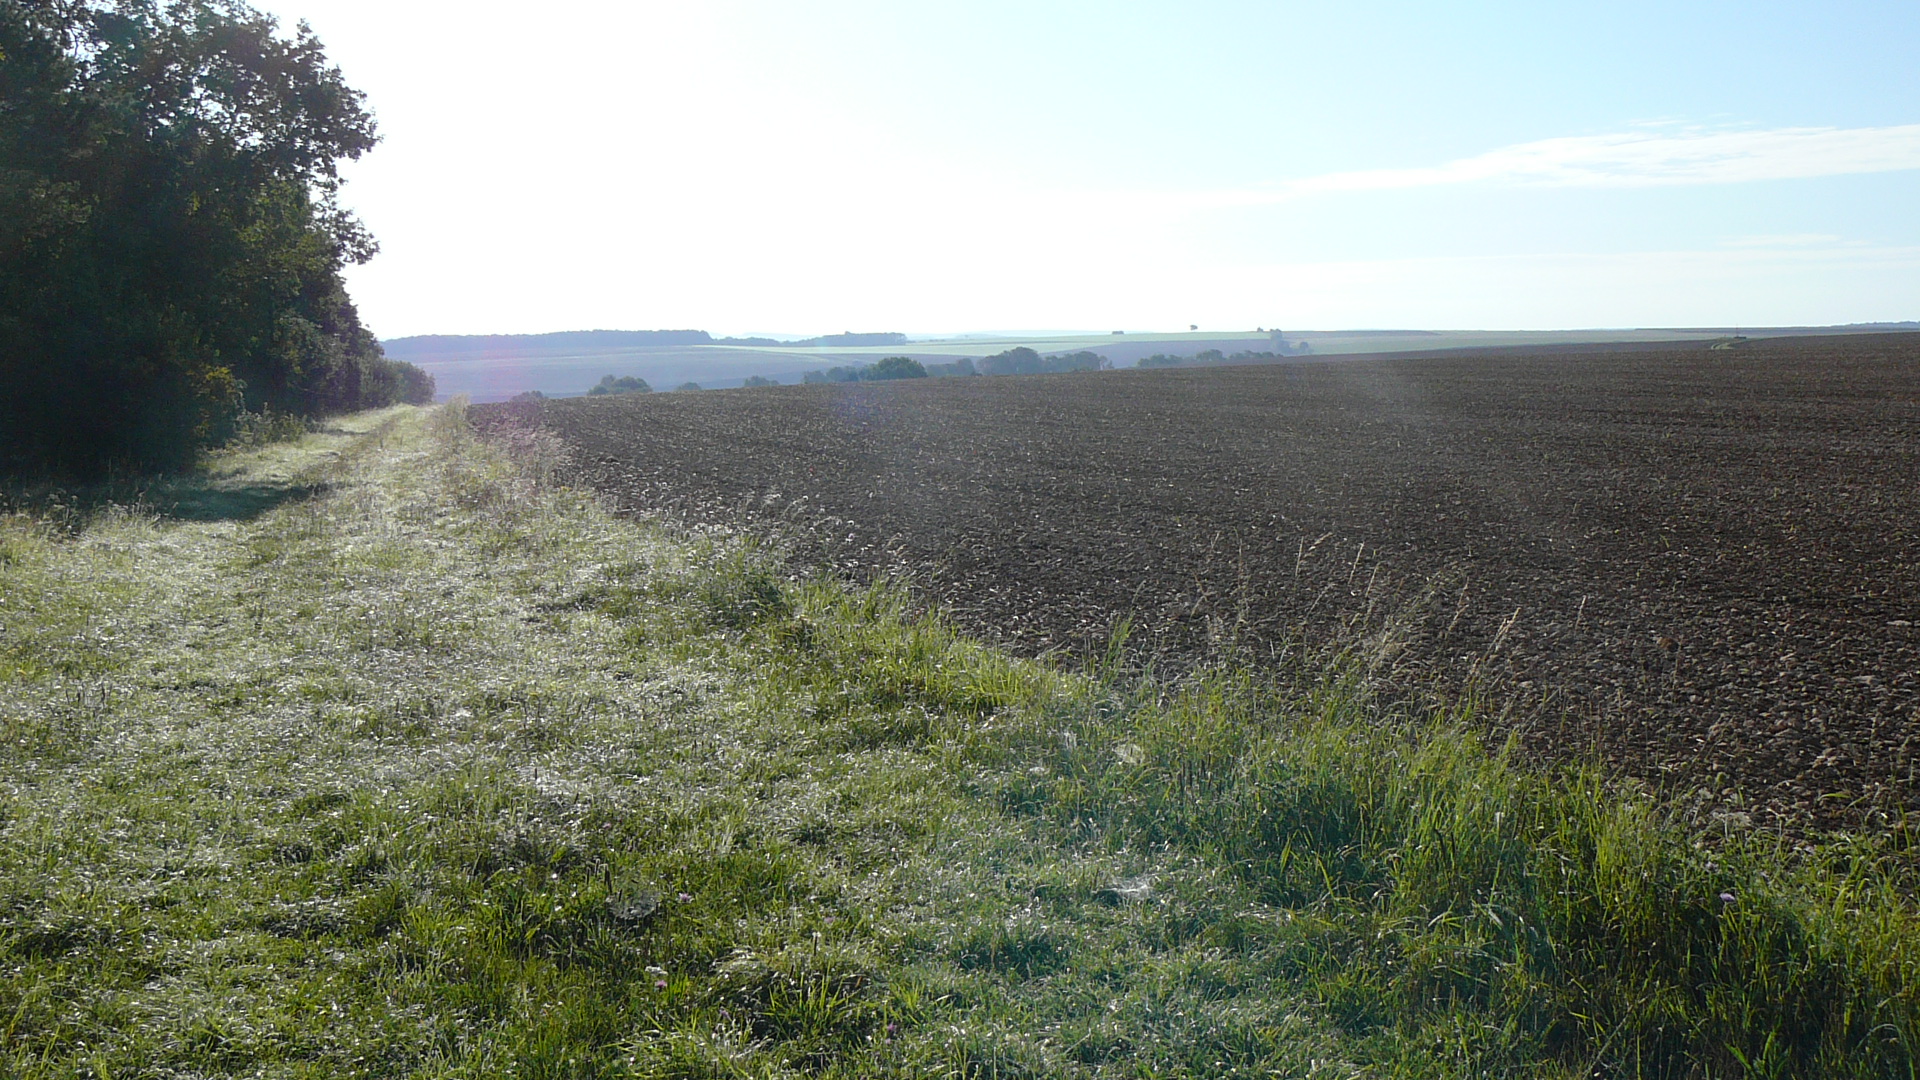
1703	566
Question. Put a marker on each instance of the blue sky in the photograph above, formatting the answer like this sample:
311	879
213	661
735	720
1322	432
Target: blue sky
947	167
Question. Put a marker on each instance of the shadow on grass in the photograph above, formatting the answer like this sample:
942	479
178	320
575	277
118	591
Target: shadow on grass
176	498
189	501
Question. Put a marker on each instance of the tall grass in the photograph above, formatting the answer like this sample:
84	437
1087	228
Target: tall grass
1574	922
432	768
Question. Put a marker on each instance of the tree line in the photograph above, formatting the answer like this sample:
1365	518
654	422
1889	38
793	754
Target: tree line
1214	358
171	240
1019	360
893	367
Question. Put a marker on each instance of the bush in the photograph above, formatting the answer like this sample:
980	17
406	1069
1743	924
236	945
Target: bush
1016	361
626	384
1024	361
1214	358
896	367
960	367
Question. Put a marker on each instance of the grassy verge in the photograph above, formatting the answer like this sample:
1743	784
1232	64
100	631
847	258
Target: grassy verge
412	764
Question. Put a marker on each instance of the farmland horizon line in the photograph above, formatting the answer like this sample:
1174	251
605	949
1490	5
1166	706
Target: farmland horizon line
792	338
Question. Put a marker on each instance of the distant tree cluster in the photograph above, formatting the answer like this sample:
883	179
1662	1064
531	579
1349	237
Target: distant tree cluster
1214	358
1024	361
961	367
626	384
897	367
846	340
759	380
1019	360
171	244
852	340
893	367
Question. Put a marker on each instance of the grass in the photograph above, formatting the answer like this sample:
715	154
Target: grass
417	764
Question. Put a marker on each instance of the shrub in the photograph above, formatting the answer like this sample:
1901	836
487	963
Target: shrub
626	384
1015	361
1024	361
896	367
962	366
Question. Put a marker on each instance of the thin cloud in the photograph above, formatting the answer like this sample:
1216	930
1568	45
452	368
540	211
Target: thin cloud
1636	159
1787	240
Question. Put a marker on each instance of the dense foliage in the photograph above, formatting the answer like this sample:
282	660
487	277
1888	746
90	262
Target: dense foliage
1214	358
1019	360
962	366
626	384
898	367
170	240
893	367
1024	361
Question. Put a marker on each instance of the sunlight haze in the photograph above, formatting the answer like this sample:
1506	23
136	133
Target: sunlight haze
937	168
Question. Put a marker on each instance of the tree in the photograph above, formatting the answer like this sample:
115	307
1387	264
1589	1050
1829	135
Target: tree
171	242
1084	360
960	367
896	367
1021	360
1018	360
626	384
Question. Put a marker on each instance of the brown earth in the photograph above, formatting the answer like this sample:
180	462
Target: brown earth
1704	565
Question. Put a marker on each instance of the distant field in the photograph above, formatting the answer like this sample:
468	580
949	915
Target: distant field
1705	564
531	363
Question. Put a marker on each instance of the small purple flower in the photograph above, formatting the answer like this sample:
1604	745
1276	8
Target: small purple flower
1726	898
686	898
659	984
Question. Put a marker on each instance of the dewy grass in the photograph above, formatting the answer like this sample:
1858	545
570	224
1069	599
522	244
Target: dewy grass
418	765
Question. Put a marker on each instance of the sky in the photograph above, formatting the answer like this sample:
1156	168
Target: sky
749	166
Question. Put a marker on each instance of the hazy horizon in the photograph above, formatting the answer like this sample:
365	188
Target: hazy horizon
1054	332
1148	166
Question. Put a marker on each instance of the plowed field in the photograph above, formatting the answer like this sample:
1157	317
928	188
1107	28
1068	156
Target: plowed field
1705	565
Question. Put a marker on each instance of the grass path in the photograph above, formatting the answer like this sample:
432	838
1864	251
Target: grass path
382	756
